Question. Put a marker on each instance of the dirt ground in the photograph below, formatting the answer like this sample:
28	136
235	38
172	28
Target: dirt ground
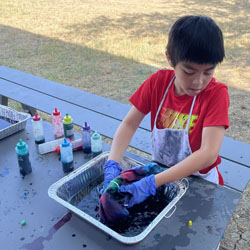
109	47
237	234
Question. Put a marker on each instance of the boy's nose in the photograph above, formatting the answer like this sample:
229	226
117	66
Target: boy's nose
198	80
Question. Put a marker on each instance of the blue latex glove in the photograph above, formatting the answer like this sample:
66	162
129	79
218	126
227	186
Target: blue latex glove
111	170
140	190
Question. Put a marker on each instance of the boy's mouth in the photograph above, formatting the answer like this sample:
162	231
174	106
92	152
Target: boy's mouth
197	91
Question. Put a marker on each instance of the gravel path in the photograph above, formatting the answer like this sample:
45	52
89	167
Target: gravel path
237	234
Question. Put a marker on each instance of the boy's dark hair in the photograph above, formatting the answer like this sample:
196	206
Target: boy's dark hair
195	39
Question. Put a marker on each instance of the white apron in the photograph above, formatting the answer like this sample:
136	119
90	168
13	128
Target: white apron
170	146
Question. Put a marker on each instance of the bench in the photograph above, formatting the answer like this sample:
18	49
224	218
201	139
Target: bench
105	115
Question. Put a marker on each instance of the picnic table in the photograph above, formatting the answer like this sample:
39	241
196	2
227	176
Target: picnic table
51	226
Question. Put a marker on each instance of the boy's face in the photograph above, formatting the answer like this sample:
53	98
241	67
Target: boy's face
192	78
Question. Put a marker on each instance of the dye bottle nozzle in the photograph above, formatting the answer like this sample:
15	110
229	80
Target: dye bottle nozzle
56	112
22	152
36	117
86	139
68	127
86	127
67	118
21	147
65	143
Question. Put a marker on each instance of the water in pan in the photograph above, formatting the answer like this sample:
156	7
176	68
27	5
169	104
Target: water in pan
140	215
6	122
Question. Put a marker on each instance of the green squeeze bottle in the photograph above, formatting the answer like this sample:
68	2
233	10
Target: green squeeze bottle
68	127
22	152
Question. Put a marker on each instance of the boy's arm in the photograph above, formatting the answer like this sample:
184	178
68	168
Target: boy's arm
207	154
124	133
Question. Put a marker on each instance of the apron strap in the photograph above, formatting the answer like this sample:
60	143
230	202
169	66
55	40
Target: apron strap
190	113
221	181
163	98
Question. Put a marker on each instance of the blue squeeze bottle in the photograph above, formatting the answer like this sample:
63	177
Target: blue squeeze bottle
22	152
66	156
86	139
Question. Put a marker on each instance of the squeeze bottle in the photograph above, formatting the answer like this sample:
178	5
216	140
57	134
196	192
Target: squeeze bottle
86	139
57	123
68	127
66	156
96	144
54	146
49	146
22	152
37	125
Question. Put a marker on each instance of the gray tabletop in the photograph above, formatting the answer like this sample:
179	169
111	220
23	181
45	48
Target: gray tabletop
51	226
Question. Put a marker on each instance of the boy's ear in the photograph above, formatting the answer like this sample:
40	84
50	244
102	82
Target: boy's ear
169	60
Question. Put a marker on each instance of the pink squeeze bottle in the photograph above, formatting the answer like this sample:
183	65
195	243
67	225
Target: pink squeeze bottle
57	123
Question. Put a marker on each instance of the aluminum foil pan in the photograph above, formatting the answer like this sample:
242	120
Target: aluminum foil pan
10	114
82	180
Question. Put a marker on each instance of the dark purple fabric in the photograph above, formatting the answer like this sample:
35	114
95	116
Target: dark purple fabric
112	205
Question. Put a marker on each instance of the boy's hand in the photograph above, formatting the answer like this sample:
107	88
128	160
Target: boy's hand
140	190
111	170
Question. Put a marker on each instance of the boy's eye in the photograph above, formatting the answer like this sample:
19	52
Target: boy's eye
188	73
207	73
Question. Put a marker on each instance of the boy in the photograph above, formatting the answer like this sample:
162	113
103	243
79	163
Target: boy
189	110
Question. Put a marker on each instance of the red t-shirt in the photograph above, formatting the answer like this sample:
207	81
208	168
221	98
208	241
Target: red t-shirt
210	108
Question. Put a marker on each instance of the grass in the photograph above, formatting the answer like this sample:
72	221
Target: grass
110	47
